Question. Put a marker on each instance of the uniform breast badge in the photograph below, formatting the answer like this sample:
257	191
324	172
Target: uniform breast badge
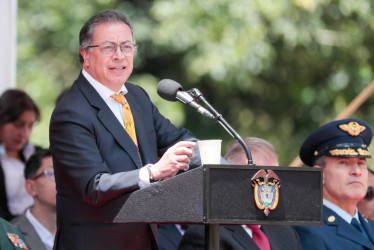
17	241
266	186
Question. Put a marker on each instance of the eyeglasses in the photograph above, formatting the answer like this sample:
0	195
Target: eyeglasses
47	173
109	48
369	194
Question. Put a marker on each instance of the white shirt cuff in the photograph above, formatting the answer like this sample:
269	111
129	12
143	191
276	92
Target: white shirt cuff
144	178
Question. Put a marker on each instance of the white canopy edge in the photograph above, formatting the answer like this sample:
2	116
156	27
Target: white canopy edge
8	44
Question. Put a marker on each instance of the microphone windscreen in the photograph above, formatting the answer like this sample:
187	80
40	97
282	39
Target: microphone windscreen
168	89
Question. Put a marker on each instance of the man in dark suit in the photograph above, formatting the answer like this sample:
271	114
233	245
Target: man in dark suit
240	237
101	154
340	148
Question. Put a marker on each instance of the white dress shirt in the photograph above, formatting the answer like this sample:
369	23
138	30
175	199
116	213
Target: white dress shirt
46	236
248	230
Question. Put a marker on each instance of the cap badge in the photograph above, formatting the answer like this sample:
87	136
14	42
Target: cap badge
266	186
352	128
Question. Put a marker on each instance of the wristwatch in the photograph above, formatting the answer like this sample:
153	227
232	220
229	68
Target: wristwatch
150	172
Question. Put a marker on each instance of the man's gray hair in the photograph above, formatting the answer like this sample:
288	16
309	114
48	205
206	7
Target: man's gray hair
321	161
235	152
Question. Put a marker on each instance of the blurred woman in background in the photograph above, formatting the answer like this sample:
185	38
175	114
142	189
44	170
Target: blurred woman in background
18	113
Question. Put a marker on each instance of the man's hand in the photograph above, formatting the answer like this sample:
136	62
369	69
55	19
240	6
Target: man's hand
175	158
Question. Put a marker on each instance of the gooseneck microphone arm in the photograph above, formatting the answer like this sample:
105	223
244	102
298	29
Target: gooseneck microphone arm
218	117
172	91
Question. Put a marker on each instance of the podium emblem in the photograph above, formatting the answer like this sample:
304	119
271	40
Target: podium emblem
266	186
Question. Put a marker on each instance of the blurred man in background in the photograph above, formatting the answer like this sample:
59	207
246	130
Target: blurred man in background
366	205
38	224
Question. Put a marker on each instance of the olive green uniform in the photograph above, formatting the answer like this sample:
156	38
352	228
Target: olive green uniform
10	237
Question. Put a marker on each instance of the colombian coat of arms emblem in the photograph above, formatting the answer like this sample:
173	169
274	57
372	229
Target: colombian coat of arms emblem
266	186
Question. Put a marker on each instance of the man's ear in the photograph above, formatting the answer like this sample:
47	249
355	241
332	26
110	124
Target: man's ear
30	187
84	53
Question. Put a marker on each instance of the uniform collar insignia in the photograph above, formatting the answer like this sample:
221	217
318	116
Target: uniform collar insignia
365	219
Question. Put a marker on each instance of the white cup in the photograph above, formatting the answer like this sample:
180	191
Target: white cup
210	151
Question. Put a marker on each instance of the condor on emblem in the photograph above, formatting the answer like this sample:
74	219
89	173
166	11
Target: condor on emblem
266	186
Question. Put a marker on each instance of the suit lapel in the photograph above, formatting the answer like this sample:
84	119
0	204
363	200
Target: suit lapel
242	237
344	229
31	236
272	235
107	118
368	229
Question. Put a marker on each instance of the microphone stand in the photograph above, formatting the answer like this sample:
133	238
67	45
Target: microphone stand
218	117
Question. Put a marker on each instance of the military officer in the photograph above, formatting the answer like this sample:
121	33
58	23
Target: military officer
340	148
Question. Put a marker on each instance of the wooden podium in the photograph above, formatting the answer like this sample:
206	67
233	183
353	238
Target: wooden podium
223	194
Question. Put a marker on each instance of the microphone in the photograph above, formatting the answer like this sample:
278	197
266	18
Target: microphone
172	91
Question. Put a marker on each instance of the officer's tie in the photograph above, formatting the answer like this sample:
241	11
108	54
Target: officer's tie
356	224
259	237
128	119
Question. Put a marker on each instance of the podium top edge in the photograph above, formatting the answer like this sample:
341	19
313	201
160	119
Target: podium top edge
257	167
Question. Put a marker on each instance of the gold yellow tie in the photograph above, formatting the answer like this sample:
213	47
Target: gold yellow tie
129	120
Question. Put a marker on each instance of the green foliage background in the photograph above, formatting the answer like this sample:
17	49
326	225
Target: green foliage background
273	69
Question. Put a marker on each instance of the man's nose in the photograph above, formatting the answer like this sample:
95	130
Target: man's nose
356	169
118	53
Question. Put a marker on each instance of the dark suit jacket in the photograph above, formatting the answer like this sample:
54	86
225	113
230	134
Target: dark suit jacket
32	238
336	234
87	141
168	237
236	238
